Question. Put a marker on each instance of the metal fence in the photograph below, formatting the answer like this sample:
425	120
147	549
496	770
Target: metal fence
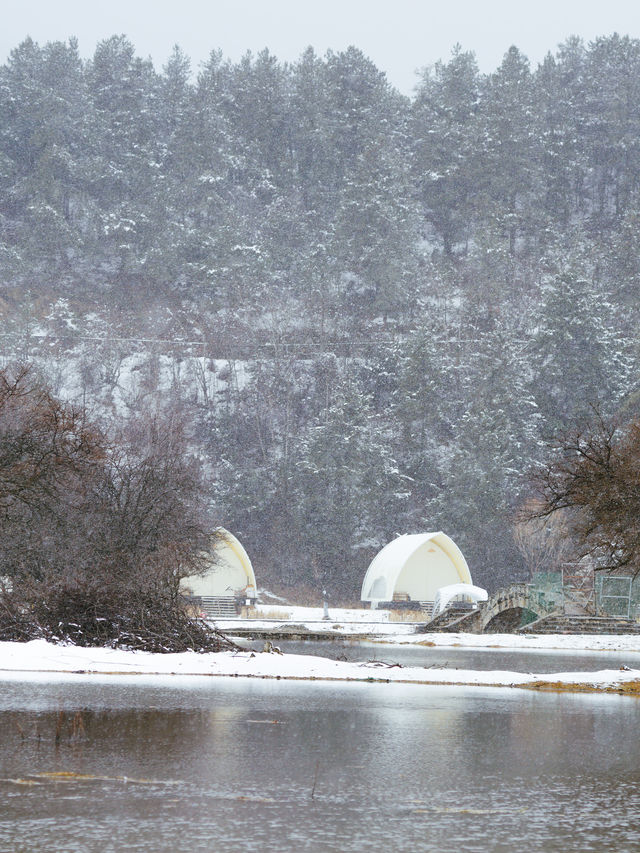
610	595
616	596
546	592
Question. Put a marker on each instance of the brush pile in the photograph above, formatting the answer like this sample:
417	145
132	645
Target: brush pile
72	617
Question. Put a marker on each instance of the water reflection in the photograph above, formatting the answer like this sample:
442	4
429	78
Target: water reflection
211	764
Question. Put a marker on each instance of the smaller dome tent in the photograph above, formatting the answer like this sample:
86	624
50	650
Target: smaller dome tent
229	574
461	592
414	567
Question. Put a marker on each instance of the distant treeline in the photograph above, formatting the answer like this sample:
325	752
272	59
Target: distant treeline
421	291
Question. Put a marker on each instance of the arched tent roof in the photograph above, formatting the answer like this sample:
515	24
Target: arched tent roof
415	565
230	571
446	594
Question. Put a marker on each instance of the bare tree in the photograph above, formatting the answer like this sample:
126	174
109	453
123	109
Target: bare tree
543	542
43	443
49	453
593	479
96	534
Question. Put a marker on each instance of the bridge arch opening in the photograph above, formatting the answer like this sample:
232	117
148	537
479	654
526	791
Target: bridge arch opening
509	620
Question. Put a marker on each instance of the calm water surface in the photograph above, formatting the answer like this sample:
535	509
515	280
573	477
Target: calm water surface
516	660
251	765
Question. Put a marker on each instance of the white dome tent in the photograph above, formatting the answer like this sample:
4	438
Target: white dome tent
229	577
414	567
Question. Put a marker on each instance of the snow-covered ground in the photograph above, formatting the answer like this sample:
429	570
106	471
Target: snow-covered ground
37	659
342	621
293	613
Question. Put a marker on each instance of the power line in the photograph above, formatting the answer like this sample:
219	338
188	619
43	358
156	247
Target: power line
273	345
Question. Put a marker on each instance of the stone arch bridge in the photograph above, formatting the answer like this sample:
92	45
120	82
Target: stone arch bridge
519	600
509	608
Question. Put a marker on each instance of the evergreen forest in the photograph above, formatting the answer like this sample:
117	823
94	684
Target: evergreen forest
370	314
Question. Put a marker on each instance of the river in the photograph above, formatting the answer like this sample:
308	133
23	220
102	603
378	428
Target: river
140	763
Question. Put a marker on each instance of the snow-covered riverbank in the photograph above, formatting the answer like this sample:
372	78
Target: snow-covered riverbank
38	658
404	634
376	626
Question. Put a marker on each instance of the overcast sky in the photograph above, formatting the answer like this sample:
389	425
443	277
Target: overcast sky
399	36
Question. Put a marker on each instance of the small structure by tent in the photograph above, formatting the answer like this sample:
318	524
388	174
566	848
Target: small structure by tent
412	568
458	593
228	580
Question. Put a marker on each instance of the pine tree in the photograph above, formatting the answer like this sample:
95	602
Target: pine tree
445	136
580	356
125	156
347	491
511	155
43	153
561	97
612	125
492	441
